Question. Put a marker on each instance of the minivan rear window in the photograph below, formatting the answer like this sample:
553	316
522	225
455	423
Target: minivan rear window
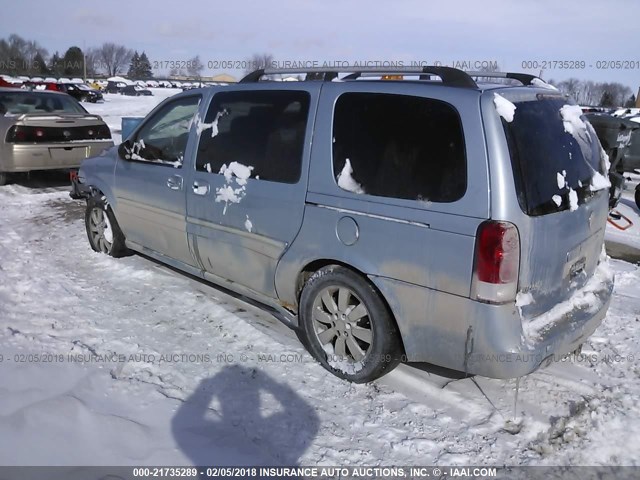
555	154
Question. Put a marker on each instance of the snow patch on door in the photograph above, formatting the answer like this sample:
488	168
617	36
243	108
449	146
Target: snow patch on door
234	190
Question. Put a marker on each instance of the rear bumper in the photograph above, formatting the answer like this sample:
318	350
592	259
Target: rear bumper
549	337
493	340
24	158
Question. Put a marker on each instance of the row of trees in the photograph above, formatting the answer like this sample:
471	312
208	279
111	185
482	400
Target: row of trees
600	94
26	57
19	56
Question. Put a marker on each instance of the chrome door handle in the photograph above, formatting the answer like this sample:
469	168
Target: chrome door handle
174	182
200	187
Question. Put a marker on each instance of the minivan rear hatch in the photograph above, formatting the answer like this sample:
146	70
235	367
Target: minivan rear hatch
560	174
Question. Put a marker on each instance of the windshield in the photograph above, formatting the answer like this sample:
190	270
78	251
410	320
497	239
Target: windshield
556	155
16	103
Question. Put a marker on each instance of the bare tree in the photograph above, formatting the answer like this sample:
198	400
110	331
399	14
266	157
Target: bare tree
571	87
115	58
18	55
195	67
177	72
93	61
258	60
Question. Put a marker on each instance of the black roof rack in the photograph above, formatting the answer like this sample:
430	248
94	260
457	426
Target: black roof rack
523	78
450	76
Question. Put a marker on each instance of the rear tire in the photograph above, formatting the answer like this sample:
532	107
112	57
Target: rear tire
638	195
103	231
347	327
4	178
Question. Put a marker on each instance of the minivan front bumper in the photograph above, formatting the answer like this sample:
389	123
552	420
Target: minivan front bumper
493	340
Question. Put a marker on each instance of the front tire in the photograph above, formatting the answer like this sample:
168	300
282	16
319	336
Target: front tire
103	231
4	178
347	327
638	195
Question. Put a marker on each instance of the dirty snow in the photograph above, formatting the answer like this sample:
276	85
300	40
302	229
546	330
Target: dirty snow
162	406
346	180
584	299
504	107
340	363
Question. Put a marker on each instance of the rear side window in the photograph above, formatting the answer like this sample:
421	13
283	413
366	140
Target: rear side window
555	154
16	103
399	146
260	129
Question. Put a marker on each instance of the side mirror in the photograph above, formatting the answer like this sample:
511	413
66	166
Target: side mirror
124	150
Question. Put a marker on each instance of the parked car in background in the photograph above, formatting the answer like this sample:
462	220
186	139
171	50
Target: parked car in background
135	91
114	87
423	223
10	82
43	130
82	92
620	138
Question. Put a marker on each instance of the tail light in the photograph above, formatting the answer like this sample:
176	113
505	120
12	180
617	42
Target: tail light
497	262
27	134
23	134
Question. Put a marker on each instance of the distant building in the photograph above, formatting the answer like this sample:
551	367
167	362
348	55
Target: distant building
221	78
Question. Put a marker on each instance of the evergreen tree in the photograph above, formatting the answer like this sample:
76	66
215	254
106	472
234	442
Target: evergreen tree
73	62
134	66
39	66
606	100
144	67
55	65
631	102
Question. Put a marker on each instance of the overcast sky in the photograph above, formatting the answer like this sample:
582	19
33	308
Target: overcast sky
507	31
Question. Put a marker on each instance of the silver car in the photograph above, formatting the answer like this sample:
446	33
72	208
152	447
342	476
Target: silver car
421	220
43	130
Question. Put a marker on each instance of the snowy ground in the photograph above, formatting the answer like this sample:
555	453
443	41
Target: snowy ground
143	365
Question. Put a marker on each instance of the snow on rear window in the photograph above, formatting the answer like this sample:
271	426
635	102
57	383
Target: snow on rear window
504	107
573	124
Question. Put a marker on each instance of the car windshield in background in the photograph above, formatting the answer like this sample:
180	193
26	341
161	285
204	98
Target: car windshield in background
554	152
16	103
